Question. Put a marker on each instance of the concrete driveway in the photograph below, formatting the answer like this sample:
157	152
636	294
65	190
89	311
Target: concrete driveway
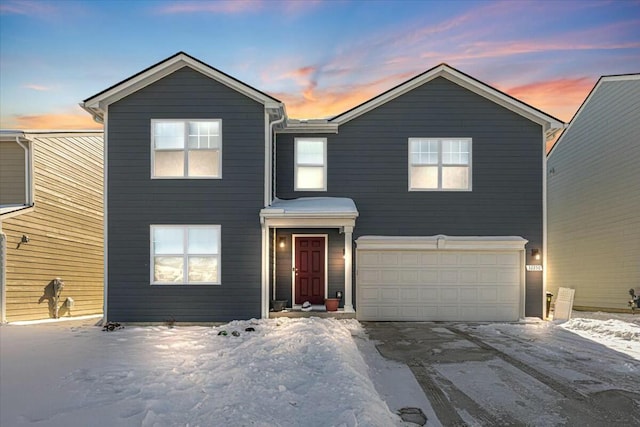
516	375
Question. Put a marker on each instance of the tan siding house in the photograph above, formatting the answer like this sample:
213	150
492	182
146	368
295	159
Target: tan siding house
594	198
58	234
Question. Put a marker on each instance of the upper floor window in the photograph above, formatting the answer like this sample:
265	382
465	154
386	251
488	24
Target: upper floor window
440	164
185	254
186	148
311	164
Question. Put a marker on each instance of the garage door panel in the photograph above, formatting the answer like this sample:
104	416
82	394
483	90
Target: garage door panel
448	258
390	294
428	285
390	259
410	259
390	276
469	276
429	258
429	276
410	277
449	276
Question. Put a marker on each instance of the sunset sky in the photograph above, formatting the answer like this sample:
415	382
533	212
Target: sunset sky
319	57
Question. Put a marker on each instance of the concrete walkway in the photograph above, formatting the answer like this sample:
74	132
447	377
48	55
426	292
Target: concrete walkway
469	381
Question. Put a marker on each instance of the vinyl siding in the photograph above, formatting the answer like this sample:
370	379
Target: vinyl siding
368	161
12	174
594	200
135	201
65	230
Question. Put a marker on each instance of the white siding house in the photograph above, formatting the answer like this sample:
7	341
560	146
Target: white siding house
593	195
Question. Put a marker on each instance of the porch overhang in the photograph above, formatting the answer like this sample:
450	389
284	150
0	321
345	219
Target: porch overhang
310	212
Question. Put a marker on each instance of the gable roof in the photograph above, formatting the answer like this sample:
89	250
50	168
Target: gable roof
96	104
601	80
549	123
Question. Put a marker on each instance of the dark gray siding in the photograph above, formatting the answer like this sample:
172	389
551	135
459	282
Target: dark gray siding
367	161
135	202
284	263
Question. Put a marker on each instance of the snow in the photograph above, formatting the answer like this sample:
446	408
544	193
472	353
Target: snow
288	372
315	205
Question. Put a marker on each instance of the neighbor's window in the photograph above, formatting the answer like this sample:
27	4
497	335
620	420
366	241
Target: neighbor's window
311	164
440	164
186	148
185	254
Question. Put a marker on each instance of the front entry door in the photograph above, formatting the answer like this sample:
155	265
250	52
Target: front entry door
309	269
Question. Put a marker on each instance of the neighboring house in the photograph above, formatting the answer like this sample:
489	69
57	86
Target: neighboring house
51	224
217	203
594	198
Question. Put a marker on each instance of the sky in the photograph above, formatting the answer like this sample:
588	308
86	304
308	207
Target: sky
319	57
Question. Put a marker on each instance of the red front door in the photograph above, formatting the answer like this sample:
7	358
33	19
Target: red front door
309	269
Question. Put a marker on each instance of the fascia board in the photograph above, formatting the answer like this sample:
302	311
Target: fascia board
99	102
309	128
465	81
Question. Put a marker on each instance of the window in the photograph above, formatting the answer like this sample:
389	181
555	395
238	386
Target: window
186	148
311	164
440	164
185	254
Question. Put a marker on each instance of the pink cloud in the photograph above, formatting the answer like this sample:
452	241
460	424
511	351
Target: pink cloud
220	6
559	97
27	7
51	121
39	88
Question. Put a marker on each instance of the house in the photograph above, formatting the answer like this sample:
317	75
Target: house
423	203
594	198
51	216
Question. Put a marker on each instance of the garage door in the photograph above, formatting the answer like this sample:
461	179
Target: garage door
440	278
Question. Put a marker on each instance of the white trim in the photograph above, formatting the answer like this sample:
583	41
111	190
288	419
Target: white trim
265	272
185	149
548	123
309	126
98	103
267	160
348	269
441	242
296	164
544	228
523	283
185	255
105	217
440	165
293	265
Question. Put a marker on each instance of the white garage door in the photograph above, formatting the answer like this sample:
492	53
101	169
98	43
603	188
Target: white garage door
440	278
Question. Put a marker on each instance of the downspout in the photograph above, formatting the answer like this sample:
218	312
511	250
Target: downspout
274	155
27	173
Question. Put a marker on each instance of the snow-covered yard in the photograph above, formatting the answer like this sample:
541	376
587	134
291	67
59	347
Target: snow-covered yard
286	372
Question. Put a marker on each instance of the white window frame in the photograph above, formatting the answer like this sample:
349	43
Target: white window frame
323	165
185	149
440	165
185	254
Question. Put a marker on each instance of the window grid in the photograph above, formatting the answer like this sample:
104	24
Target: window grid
189	137
310	164
186	255
451	156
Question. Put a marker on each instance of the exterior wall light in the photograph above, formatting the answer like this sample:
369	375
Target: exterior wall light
535	254
282	242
